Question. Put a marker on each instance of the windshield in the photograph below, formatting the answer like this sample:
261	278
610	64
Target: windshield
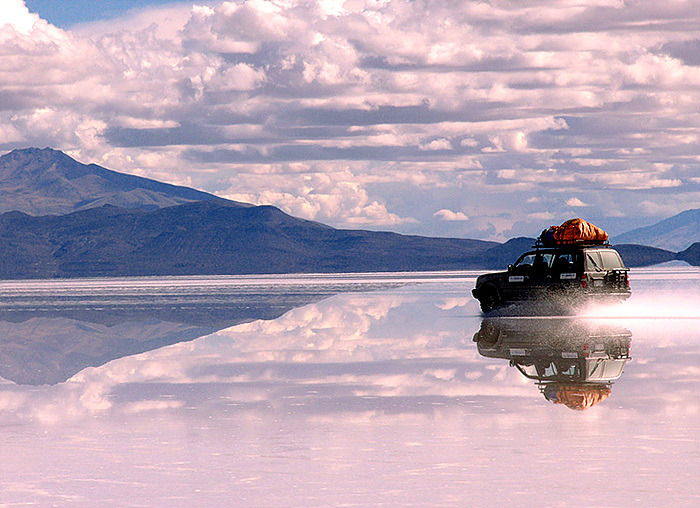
526	260
548	263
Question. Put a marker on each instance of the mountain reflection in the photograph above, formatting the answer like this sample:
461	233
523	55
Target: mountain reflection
47	335
573	362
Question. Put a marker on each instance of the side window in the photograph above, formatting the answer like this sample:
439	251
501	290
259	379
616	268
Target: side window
593	261
565	262
535	263
547	259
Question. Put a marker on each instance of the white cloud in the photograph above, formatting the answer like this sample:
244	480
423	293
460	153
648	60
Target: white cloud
633	180
168	20
334	198
437	144
540	216
575	202
15	15
407	96
449	215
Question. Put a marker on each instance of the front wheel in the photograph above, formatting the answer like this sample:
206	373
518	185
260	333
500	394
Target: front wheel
489	299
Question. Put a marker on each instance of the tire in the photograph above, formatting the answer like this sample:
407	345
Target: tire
489	299
488	335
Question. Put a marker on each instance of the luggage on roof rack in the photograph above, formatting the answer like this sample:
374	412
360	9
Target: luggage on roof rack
573	231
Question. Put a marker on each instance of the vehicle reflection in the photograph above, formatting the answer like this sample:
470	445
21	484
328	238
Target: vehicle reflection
573	362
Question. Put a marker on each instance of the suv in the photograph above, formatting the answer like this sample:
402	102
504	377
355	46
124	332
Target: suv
565	273
557	349
573	362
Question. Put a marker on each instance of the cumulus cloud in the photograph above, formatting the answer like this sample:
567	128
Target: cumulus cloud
14	15
317	195
387	99
449	215
437	144
575	202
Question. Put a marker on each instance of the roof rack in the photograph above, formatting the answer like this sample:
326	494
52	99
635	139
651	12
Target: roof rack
576	243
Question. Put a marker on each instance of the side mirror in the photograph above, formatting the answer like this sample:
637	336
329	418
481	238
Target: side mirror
510	268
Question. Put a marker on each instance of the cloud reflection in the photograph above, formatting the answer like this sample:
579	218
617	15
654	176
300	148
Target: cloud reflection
396	351
362	398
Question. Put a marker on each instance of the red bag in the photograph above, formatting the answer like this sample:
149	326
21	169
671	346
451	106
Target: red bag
581	397
577	231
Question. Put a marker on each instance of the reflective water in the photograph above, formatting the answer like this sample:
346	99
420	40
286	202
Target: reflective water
382	390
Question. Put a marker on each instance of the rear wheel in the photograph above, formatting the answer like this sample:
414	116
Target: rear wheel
489	298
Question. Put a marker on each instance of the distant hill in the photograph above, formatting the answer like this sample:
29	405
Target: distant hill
675	233
216	237
691	254
67	219
45	181
500	256
213	237
643	255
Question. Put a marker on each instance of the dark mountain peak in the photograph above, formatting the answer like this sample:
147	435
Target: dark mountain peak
34	153
521	241
33	160
44	181
643	255
38	157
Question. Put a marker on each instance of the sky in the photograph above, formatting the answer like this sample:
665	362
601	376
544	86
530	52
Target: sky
486	120
67	13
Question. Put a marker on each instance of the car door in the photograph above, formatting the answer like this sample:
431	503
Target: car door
566	268
529	276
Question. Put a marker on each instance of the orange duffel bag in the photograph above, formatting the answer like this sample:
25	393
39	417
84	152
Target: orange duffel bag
575	231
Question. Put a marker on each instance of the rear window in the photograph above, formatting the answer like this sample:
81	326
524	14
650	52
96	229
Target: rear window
566	262
611	260
593	261
601	260
604	370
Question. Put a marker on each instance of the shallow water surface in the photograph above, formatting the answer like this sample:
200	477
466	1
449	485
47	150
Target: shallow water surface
344	390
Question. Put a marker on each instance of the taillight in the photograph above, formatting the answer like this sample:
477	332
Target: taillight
584	281
627	279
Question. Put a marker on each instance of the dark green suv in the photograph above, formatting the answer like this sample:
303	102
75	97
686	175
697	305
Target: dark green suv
566	273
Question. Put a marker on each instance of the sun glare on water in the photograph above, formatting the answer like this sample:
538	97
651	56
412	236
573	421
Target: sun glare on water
664	305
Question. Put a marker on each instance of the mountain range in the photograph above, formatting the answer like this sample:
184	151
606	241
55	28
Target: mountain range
49	182
676	233
66	219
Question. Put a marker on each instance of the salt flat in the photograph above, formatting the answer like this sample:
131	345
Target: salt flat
340	390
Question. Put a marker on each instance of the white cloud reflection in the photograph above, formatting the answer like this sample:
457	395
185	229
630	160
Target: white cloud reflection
353	352
358	398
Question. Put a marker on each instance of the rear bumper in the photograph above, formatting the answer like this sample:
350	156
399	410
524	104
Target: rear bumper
619	294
